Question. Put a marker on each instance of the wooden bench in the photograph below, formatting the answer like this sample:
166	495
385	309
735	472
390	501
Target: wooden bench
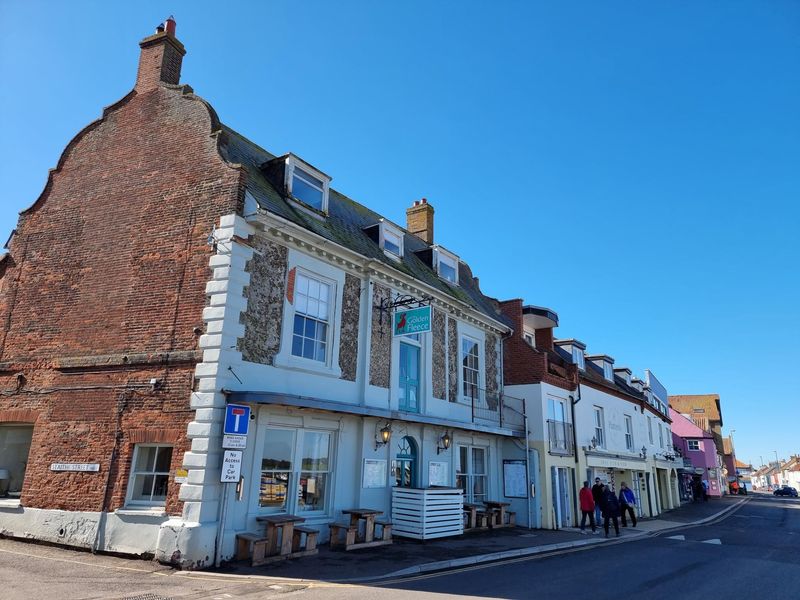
251	545
512	518
310	546
483	519
386	530
350	534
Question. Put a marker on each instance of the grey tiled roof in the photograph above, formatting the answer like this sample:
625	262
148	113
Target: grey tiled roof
345	226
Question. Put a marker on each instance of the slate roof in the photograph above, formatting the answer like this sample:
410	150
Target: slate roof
345	226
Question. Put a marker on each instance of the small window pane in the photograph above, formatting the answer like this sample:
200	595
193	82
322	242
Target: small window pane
308	177
278	444
315	451
447	271
306	193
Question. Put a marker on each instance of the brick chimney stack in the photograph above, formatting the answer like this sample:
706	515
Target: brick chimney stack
419	220
160	59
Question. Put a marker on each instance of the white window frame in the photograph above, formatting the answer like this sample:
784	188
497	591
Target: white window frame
293	162
599	426
332	276
129	501
608	371
387	231
578	358
469	473
465	399
441	255
530	340
650	429
321	281
660	436
698	445
292	504
629	443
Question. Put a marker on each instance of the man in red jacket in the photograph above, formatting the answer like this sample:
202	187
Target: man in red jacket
587	507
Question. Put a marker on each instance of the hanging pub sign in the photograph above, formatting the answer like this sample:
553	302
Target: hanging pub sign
412	320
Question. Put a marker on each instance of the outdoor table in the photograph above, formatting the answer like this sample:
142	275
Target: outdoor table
500	507
285	523
472	510
368	515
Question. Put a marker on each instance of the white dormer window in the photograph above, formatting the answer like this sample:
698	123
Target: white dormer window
446	265
577	358
608	371
306	184
391	239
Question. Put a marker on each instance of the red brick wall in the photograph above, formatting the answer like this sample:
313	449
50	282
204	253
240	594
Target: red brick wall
112	261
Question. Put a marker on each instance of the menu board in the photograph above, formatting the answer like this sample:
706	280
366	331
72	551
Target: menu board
437	473
515	480
374	473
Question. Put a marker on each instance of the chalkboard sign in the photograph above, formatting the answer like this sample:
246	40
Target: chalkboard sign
515	479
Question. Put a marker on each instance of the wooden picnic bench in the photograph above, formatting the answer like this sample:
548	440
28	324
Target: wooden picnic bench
354	539
282	539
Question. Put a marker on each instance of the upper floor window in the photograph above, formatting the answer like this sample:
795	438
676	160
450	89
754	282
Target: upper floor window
608	371
446	265
628	433
149	475
306	184
577	358
391	239
694	445
660	435
470	362
650	428
311	318
599	427
529	340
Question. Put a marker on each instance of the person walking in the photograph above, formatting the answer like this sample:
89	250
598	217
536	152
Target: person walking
610	507
705	490
597	494
587	508
626	503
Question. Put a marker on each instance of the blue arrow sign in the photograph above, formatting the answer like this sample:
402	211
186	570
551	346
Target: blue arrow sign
237	419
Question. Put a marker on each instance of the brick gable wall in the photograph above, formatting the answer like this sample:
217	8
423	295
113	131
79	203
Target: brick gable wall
104	290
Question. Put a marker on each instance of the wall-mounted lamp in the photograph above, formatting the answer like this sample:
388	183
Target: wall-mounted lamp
383	436
445	441
644	451
594	443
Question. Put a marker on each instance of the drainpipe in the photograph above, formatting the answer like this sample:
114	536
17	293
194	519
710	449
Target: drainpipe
572	404
528	468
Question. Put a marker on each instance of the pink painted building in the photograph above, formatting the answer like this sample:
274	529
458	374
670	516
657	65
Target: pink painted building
696	445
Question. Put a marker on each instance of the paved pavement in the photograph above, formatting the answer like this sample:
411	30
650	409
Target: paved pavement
36	571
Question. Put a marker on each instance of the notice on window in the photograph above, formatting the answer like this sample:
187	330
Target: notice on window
437	473
374	473
515	481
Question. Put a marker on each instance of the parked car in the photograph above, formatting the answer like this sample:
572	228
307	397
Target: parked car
785	491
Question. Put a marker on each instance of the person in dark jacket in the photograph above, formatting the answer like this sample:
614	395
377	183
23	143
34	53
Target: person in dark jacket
626	502
597	494
610	507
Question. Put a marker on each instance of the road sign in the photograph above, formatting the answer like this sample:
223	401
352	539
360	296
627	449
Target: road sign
236	442
231	466
237	419
412	320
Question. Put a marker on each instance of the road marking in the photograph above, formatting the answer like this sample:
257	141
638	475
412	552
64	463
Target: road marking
716	541
79	562
677	537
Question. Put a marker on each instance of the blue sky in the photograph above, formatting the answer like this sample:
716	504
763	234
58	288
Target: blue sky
633	166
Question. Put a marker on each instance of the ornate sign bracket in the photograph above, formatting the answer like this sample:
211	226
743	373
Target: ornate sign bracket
401	301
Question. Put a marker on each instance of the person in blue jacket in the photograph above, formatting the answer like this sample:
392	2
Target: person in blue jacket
626	503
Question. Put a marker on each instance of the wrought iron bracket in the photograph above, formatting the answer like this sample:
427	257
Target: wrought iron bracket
387	305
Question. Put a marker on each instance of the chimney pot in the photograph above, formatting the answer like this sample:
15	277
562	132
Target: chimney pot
170	24
424	200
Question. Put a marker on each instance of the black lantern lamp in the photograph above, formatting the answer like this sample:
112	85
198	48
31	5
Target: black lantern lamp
445	441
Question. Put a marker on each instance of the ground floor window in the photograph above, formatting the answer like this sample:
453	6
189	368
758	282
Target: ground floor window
149	475
299	460
15	445
471	473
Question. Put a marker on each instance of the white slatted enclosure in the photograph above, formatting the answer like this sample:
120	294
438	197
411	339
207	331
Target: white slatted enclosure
429	513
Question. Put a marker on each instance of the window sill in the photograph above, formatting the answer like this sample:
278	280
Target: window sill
130	511
307	366
9	503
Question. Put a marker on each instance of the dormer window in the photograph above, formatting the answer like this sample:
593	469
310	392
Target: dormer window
306	184
577	358
391	240
608	371
446	265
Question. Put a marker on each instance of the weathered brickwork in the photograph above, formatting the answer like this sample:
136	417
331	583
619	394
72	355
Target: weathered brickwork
453	363
438	343
492	364
265	299
380	350
348	344
112	261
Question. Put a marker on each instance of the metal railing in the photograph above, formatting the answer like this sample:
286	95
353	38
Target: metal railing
559	436
496	408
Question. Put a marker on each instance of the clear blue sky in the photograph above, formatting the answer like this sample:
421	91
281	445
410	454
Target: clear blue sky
633	166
